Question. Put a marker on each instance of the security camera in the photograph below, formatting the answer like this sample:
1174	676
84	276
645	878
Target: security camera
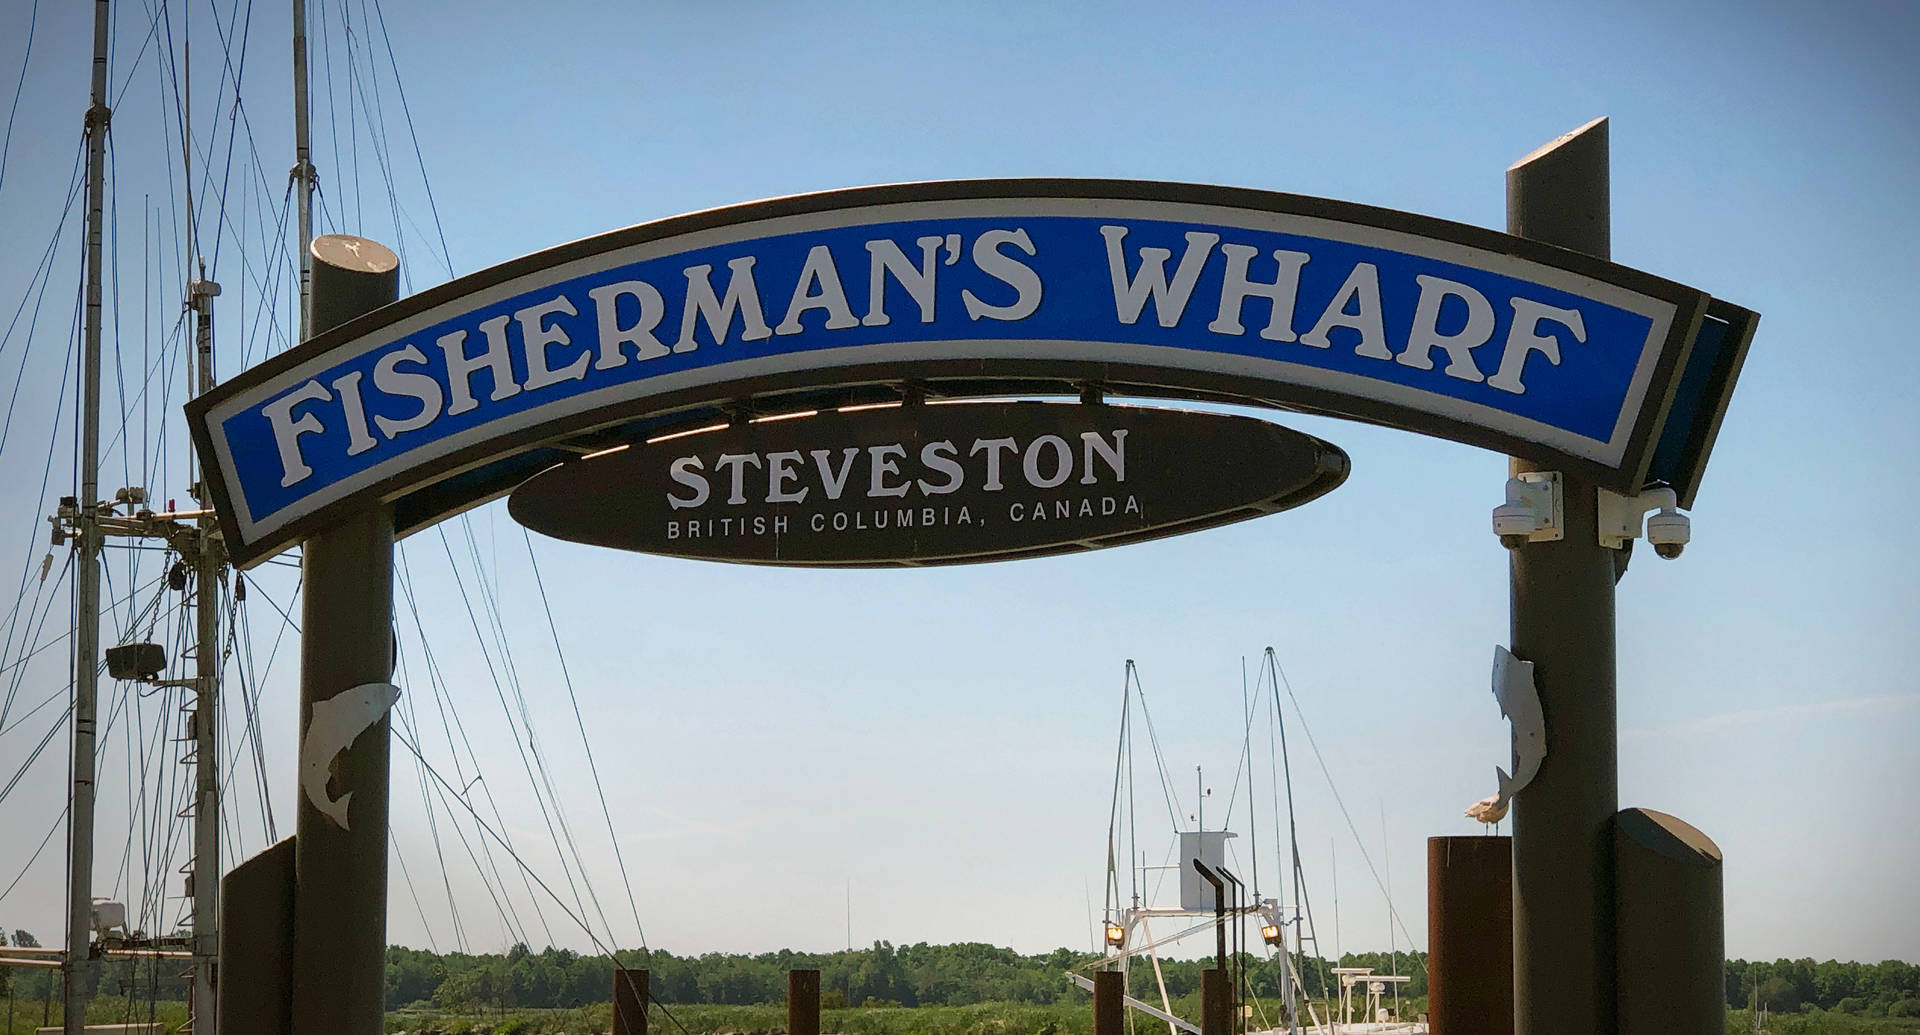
1669	531
1515	524
1532	510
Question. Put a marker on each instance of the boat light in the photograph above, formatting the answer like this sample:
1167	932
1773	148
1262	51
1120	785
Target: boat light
1116	935
1271	932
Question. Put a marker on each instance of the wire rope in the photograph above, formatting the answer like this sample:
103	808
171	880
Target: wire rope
19	87
585	743
1392	911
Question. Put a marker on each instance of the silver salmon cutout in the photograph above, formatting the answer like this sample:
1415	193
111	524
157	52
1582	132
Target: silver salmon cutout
1520	703
337	722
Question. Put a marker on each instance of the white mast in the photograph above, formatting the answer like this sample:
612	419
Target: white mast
209	562
86	605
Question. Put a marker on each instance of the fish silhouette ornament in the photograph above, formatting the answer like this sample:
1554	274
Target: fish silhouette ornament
337	722
1520	703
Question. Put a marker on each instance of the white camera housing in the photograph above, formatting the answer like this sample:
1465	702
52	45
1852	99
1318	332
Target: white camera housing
1534	511
1668	531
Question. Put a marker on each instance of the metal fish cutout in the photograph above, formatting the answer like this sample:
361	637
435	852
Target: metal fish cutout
1520	703
336	722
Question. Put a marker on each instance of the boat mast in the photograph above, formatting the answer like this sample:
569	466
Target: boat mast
86	605
209	563
303	173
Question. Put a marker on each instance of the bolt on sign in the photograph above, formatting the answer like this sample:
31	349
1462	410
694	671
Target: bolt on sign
973	288
930	484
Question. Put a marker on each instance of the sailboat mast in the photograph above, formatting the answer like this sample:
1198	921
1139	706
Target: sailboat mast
209	567
303	174
86	605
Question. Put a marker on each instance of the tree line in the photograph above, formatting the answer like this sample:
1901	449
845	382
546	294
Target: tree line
1889	988
883	974
930	975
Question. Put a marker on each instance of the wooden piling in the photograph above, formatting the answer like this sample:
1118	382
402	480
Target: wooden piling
803	1002
630	995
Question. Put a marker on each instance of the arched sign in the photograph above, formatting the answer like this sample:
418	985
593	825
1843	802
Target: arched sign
969	288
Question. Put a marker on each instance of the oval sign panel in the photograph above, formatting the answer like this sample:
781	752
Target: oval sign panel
930	484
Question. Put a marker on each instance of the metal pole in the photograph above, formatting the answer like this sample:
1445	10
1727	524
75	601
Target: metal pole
1219	913
303	174
340	875
86	604
209	572
1237	971
1563	622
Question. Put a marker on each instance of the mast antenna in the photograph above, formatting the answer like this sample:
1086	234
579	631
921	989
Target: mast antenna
303	174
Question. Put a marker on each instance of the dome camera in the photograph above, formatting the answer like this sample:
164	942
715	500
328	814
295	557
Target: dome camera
1532	511
1515	524
1669	532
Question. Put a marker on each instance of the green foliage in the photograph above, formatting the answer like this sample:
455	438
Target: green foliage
1844	989
883	975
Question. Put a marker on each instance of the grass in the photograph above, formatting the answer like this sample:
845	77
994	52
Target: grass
103	1010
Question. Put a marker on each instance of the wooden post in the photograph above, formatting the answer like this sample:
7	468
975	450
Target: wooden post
1470	935
340	872
1563	622
1670	934
803	1002
256	945
1109	1012
1216	1002
630	995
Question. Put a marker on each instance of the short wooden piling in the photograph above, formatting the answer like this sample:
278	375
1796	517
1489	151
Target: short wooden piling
1216	1002
1109	1012
630	995
1470	935
1670	926
803	1002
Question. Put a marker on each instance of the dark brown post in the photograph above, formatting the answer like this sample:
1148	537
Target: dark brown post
1109	1012
803	1002
340	875
1563	981
1671	932
256	945
1216	1002
630	995
1470	935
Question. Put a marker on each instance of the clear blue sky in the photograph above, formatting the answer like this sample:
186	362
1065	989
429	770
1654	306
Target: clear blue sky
942	739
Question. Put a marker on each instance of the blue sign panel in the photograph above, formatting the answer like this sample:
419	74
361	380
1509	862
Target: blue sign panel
1435	327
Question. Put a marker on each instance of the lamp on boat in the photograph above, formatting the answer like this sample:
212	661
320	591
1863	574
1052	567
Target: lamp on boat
1116	934
1271	933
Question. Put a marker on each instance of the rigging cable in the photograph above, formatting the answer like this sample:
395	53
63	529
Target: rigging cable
1159	760
1318	757
508	848
1112	890
448	724
6	145
585	743
526	764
